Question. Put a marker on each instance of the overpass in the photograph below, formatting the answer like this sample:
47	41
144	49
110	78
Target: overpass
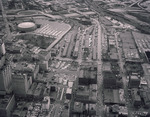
55	17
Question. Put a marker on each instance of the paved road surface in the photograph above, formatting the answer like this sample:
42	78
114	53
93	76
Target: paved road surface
100	107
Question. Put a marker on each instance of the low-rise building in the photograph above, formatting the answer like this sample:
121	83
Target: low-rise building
78	107
134	81
69	93
70	84
44	55
38	91
86	94
112	96
30	69
90	109
136	99
106	66
31	90
145	96
109	80
87	77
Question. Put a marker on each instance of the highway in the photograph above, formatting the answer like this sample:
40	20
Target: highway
34	15
135	3
138	3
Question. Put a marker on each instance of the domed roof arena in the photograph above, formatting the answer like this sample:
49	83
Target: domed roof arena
26	26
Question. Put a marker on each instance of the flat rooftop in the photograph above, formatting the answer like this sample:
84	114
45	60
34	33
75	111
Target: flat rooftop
88	74
4	101
55	29
111	96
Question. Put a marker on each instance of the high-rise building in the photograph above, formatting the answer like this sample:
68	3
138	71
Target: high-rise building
5	79
21	84
7	104
2	61
5	72
2	48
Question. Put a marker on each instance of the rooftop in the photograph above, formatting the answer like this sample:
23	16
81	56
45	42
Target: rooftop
134	77
88	92
26	25
4	101
111	96
106	66
24	66
135	96
88	74
78	107
68	91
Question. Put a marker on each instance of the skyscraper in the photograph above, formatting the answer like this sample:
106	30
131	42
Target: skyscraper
5	79
21	83
2	47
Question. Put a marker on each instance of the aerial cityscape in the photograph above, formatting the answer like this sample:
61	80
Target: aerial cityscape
75	58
